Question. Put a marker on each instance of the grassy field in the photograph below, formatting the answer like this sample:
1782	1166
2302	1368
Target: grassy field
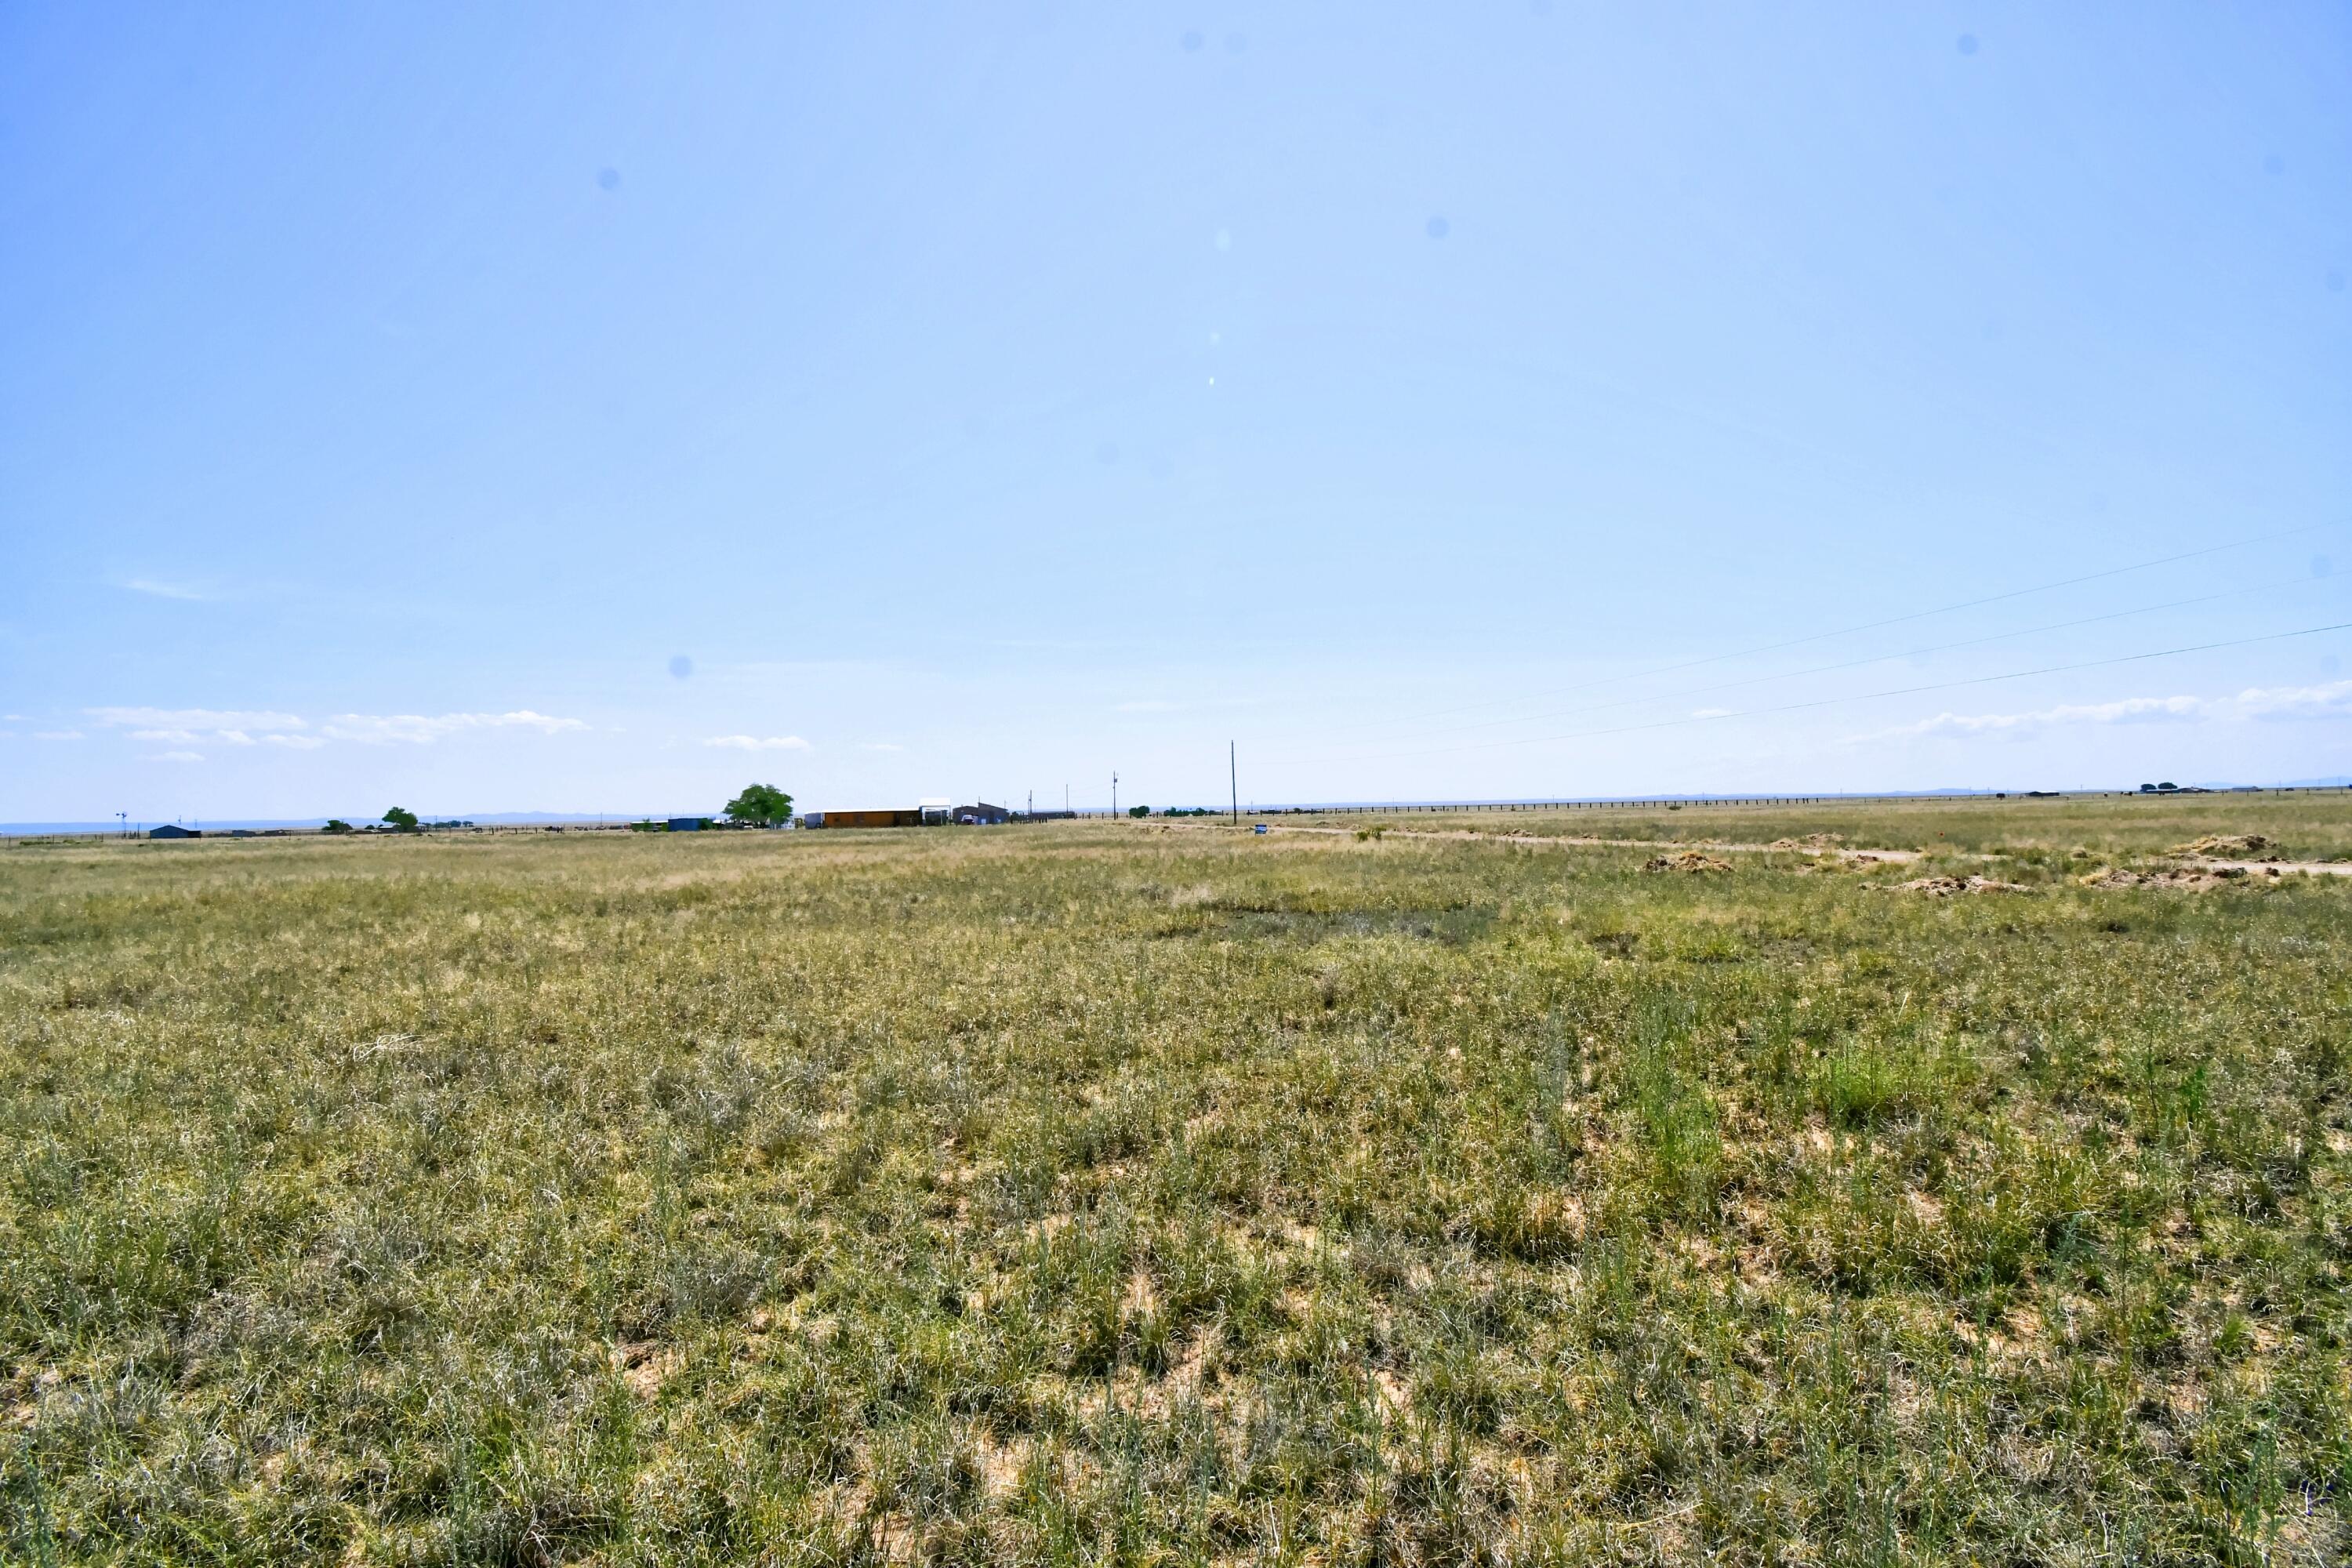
2310	825
1144	1192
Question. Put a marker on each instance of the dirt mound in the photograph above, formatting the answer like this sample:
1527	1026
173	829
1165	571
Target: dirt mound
1688	861
1810	841
2228	845
1945	886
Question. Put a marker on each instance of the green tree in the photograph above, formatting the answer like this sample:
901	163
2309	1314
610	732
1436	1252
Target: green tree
402	819
1139	811
763	806
336	824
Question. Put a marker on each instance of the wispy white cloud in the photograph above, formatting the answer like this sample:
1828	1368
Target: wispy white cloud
758	743
57	734
2330	701
2129	711
162	590
244	727
190	726
194	718
420	729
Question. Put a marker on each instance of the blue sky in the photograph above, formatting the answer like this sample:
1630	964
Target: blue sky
594	408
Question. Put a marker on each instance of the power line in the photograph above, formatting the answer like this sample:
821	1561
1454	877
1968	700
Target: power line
1863	626
1865	696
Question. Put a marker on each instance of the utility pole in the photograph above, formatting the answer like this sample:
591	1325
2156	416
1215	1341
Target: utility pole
1114	795
1233	777
122	823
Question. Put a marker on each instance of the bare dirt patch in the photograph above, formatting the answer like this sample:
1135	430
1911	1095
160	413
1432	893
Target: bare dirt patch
998	1462
1946	887
2278	868
644	1365
2187	879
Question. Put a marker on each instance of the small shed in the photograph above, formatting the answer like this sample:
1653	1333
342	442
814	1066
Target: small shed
983	815
689	823
173	830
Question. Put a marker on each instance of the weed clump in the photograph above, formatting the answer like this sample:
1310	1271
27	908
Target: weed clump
1689	861
2228	845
